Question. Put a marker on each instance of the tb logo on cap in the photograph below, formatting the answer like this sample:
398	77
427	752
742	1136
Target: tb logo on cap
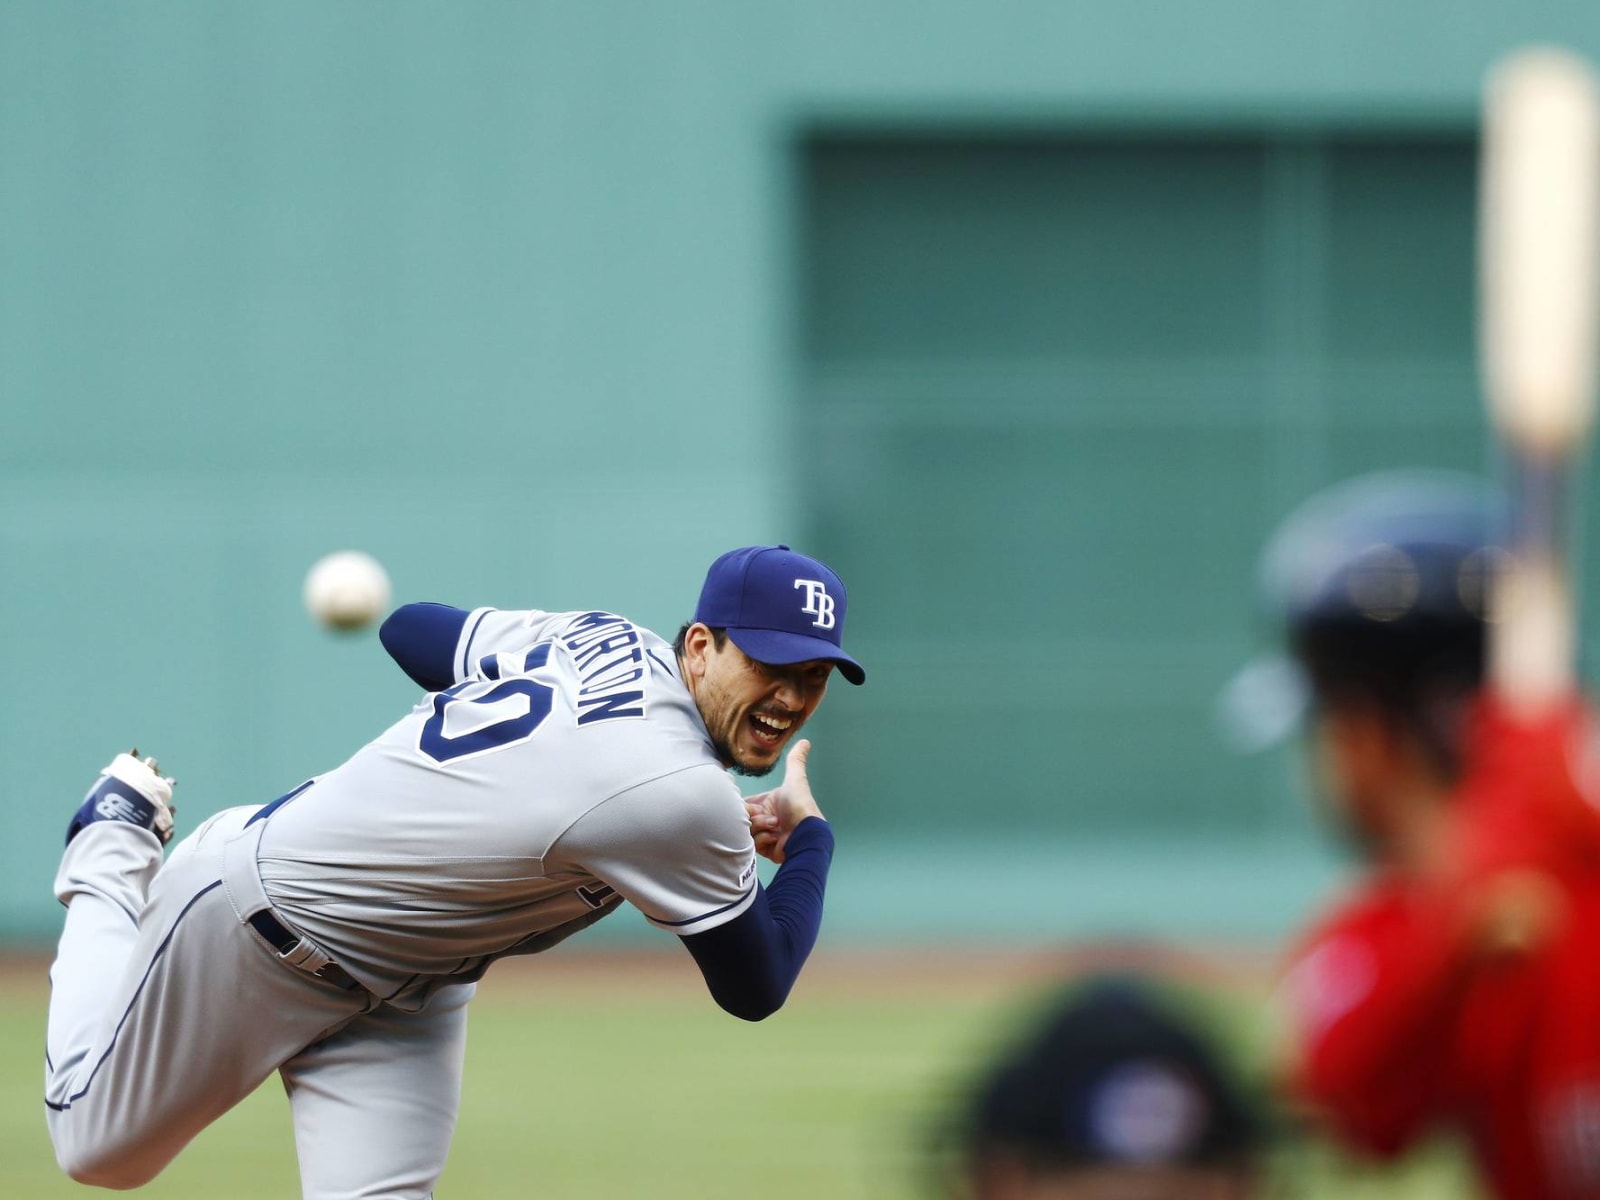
818	603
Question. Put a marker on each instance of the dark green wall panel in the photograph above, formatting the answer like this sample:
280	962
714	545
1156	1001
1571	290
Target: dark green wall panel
1060	390
1399	233
934	252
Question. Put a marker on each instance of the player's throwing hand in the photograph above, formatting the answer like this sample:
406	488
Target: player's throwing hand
774	814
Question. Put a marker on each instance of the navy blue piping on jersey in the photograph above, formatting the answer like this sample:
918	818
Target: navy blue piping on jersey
715	912
673	674
154	958
266	810
751	962
466	646
422	640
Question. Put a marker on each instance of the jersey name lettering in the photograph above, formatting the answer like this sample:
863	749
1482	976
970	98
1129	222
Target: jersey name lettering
607	653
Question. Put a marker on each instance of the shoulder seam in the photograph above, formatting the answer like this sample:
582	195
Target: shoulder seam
469	630
632	787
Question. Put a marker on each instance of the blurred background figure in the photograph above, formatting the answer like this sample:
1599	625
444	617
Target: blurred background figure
1118	1095
1454	985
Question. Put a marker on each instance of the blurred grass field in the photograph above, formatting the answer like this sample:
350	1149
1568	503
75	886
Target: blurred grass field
613	1076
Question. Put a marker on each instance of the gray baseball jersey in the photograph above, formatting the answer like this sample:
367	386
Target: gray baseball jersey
556	766
566	770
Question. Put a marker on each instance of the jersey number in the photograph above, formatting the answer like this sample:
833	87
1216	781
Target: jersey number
481	715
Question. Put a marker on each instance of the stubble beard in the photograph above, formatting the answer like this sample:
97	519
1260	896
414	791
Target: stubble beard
739	768
722	745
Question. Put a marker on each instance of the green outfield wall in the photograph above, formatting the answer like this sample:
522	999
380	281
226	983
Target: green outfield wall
1030	316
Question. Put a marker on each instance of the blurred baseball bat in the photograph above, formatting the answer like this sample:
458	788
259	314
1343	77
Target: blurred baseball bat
1539	264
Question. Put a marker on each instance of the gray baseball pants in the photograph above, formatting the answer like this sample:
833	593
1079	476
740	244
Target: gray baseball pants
166	1009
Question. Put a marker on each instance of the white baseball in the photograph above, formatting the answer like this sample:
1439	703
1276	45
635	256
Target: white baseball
347	589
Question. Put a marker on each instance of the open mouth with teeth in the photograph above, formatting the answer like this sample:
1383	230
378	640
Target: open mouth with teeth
768	729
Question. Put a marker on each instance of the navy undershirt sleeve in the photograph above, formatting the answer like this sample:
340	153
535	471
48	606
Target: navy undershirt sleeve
752	961
422	639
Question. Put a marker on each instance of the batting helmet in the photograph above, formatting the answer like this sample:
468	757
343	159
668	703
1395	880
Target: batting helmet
1380	585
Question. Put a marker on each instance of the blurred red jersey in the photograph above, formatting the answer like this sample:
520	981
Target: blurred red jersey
1403	1025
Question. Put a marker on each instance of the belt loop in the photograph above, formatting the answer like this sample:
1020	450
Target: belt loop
299	952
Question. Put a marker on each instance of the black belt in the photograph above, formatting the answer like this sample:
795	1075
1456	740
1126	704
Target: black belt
269	927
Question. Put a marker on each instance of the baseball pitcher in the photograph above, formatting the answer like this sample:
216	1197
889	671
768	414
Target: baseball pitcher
559	764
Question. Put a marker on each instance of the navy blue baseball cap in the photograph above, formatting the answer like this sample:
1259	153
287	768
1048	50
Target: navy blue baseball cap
778	606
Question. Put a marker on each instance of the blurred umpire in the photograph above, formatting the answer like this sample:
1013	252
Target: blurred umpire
1117	1095
1458	983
